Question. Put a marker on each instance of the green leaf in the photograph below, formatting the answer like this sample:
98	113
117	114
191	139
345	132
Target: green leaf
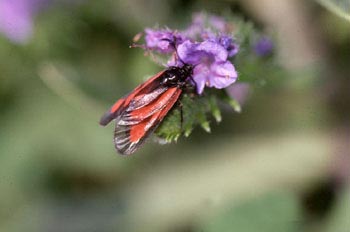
338	7
234	104
194	111
214	108
204	123
170	129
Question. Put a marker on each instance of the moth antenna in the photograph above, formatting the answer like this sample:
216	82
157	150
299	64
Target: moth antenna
137	46
174	45
176	52
147	53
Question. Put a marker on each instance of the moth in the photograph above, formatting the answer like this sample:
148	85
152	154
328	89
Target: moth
138	114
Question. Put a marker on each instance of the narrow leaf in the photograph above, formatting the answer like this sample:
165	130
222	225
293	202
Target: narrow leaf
338	7
214	108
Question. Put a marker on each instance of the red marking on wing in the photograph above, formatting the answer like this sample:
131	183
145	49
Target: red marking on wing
112	113
139	130
156	105
137	93
143	88
170	104
117	105
128	138
155	109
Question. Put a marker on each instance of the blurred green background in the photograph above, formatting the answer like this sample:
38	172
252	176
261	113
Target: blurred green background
283	164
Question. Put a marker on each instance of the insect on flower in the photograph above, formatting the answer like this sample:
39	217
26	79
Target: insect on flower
198	57
138	114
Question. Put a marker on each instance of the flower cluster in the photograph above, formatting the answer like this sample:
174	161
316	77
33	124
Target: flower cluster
207	44
16	18
263	46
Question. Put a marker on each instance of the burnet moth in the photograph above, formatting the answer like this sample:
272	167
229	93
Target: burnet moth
139	113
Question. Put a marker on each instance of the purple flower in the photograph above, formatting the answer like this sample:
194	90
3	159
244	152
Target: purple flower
263	46
16	18
212	68
206	44
204	26
162	40
218	23
197	26
228	43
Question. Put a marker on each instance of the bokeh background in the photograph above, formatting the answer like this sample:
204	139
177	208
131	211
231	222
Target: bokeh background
282	164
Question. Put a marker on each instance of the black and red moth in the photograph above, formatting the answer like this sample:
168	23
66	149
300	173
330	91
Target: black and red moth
139	113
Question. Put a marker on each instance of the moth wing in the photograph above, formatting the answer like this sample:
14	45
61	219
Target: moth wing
138	96
135	126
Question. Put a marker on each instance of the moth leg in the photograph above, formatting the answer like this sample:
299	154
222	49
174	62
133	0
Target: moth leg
191	86
180	105
181	118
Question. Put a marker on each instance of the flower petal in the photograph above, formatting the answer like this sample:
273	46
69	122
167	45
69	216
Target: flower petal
214	49
222	75
228	43
204	52
201	75
218	23
188	52
161	40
